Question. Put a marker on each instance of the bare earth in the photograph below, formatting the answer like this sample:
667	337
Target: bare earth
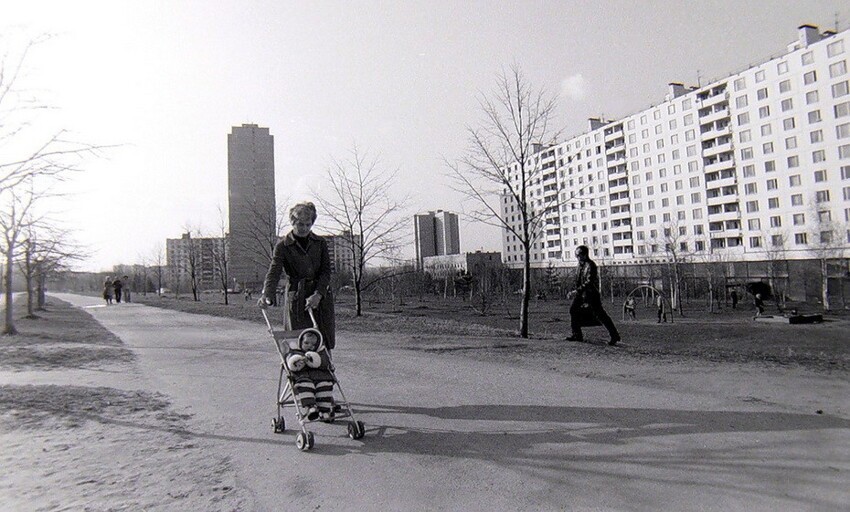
483	422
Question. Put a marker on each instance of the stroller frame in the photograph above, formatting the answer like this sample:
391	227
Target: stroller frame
304	440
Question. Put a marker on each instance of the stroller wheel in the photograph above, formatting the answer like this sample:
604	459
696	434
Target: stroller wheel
278	424
356	429
303	441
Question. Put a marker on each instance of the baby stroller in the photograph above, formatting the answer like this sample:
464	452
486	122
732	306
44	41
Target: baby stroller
285	341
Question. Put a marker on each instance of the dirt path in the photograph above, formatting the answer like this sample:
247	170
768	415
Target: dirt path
454	430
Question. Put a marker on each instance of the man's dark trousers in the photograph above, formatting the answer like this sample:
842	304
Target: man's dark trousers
595	304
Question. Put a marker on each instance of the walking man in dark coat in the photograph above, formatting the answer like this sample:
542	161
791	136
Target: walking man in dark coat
587	296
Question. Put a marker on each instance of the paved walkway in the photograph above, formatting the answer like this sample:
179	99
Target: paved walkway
449	433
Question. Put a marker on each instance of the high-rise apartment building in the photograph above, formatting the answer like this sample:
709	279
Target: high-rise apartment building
201	255
437	234
340	251
738	169
252	210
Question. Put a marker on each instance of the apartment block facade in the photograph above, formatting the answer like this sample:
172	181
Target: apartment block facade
738	169
437	234
202	253
252	211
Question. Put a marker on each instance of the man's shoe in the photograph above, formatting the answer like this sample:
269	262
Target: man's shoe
574	338
614	341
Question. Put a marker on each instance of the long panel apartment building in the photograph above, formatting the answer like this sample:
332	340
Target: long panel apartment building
742	167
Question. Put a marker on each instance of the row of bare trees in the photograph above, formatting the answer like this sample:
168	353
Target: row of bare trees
32	241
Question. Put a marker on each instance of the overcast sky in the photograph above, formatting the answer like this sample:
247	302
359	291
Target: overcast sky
167	80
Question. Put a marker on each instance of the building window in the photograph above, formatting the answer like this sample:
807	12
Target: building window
837	69
812	97
760	76
798	219
791	142
766	130
695	198
845	172
752	206
689	119
793	161
770	166
776	221
818	156
809	78
742	120
744	136
740	83
800	238
794	180
820	176
788	123
755	241
767	148
836	48
844	151
772	184
842	131
782	67
777	240
741	101
787	104
749	171
746	153
754	224
751	188
773	203
696	214
797	200
785	85
841	109
764	111
822	196
840	89
816	136
807	58
761	94
814	116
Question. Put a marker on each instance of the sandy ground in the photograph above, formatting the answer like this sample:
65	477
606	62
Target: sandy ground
84	428
80	430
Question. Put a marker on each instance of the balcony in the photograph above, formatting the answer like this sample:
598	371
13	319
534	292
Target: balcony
614	132
618	145
617	158
717	149
721	183
619	201
614	189
723	216
719	165
716	115
719	97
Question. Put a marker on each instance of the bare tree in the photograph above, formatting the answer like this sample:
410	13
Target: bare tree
192	262
359	203
675	242
500	163
158	260
825	242
260	233
46	250
15	221
220	255
775	249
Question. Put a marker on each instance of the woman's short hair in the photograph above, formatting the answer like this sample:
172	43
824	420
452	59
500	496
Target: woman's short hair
303	211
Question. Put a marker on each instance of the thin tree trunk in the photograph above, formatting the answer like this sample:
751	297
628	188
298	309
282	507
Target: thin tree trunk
526	297
824	272
10	320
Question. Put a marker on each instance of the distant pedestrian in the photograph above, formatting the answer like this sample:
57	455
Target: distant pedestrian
629	307
126	288
759	304
662	311
117	285
107	290
734	296
586	297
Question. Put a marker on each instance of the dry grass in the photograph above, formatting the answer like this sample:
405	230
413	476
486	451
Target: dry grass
730	336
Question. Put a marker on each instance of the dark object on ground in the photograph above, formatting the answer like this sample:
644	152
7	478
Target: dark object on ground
792	319
760	288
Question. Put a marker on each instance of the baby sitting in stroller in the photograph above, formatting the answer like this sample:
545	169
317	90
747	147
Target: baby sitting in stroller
312	380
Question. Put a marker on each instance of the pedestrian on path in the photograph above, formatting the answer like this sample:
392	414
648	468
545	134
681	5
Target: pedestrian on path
303	256
107	290
117	285
587	298
662	312
126	288
629	307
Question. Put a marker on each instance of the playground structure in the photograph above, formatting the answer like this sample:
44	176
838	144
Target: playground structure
649	299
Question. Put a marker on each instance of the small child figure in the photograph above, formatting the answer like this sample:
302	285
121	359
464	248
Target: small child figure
629	307
759	304
313	382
